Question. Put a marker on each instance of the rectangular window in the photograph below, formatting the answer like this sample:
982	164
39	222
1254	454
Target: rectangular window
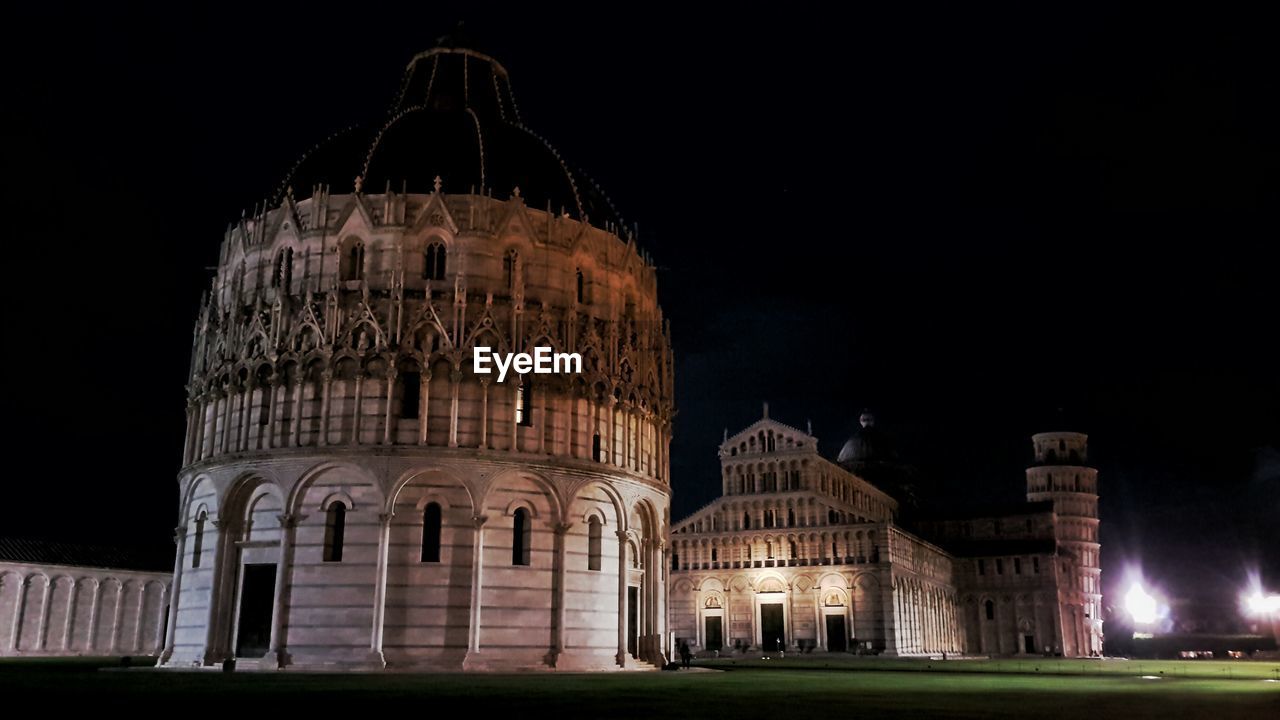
999	566
410	394
1017	566
524	414
1035	565
982	567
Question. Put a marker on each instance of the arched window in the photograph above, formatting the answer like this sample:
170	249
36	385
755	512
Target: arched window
524	413
582	287
353	262
714	555
768	546
595	448
521	535
746	521
283	273
431	533
410	394
991	610
335	528
433	265
791	517
794	554
593	543
675	560
510	262
197	548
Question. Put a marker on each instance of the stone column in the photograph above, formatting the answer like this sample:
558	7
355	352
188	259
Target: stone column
228	401
216	396
326	385
477	578
189	438
380	591
288	526
358	412
299	384
115	621
42	626
93	614
219	616
424	414
197	449
71	611
16	625
455	379
819	622
484	412
388	430
888	622
246	413
622	598
612	430
274	388
559	568
136	644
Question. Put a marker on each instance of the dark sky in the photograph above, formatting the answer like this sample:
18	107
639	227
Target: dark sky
981	224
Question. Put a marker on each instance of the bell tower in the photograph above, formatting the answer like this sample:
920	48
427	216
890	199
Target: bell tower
1061	475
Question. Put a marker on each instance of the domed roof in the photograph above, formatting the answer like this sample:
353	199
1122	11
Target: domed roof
867	444
455	119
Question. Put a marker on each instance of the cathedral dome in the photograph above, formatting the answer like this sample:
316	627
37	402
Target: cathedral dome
867	444
455	119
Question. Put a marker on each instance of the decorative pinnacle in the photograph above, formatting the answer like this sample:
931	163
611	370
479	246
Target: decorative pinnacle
359	183
437	183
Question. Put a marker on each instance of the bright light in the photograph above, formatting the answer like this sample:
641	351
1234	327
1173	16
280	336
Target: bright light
1141	606
1260	604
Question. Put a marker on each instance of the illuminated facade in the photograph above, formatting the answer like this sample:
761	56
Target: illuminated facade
353	494
802	554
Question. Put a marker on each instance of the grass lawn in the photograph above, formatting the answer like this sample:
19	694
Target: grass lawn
1203	669
739	693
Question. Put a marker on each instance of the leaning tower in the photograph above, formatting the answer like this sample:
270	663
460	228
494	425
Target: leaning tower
353	493
1060	475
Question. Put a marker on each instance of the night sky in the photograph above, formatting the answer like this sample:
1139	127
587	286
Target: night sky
980	224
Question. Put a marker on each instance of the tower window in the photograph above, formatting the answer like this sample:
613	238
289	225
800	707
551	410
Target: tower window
991	610
431	521
582	287
509	263
1035	565
197	548
595	448
353	267
982	566
524	413
283	274
999	566
746	521
335	528
1017	566
433	266
521	535
410	394
593	543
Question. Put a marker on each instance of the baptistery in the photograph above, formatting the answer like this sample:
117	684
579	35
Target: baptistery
353	493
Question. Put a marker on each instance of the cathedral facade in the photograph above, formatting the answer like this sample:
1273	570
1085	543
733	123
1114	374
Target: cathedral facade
353	493
803	554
